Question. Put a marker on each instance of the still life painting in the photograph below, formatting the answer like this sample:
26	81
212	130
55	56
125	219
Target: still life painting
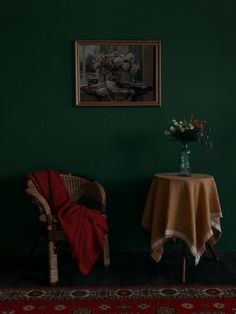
118	73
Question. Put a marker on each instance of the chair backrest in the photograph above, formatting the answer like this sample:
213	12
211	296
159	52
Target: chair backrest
77	186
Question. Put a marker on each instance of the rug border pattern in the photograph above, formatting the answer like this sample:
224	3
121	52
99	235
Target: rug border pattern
117	293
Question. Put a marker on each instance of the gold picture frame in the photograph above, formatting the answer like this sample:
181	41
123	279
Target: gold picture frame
117	73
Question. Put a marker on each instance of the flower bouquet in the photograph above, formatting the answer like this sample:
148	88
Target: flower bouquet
191	130
120	68
186	131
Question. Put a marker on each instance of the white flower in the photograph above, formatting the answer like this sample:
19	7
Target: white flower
117	61
100	57
172	128
114	54
130	57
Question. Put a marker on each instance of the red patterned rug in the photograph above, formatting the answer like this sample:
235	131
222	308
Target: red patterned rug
119	300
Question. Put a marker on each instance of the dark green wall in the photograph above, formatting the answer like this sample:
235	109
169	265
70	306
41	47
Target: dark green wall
122	147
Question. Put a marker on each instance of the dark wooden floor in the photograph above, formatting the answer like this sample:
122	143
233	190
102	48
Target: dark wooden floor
125	269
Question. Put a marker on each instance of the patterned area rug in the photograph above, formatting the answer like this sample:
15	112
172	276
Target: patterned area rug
119	300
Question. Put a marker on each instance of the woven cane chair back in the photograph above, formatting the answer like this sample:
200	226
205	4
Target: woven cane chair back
79	186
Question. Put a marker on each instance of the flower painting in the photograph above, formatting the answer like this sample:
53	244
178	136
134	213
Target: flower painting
121	73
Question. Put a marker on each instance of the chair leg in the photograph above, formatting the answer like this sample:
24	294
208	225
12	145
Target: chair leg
210	248
183	261
53	266
106	252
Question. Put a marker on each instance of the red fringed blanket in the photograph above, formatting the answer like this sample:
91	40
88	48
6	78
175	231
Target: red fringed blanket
84	228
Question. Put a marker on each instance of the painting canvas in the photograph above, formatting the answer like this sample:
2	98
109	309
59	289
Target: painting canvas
118	73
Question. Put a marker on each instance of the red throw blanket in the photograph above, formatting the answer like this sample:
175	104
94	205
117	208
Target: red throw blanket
84	228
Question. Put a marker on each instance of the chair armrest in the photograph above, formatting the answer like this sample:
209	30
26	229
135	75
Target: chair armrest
95	191
102	195
41	203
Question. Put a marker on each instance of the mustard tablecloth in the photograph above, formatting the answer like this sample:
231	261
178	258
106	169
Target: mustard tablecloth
187	208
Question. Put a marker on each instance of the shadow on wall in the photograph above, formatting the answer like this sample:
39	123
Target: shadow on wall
133	152
19	221
125	204
126	194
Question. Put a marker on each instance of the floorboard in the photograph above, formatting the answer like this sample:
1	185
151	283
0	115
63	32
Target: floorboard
125	269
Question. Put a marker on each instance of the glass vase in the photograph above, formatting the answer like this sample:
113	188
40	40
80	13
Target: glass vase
184	161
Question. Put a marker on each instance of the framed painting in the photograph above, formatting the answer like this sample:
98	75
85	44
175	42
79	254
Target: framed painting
118	73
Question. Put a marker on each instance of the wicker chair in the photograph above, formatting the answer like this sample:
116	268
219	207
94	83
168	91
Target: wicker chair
77	186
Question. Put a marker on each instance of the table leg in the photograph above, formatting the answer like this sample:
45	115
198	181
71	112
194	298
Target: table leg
210	248
184	248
